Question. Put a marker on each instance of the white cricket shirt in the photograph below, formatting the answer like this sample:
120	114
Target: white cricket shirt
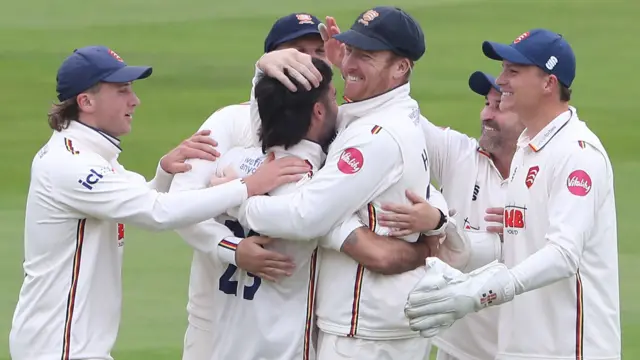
231	127
260	319
560	242
470	183
79	197
379	153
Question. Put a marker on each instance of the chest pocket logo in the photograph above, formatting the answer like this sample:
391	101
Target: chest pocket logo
531	176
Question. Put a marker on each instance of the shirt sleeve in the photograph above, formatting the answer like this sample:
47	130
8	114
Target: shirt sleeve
206	235
357	169
445	147
576	188
256	122
162	181
91	186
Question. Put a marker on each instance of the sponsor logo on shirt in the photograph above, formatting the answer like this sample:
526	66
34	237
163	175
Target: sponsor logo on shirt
514	219
94	177
350	161
476	191
120	235
531	176
579	183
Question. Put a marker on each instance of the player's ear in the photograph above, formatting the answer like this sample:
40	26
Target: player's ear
85	102
402	68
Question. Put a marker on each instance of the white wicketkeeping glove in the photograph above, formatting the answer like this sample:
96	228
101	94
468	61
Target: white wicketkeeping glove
445	295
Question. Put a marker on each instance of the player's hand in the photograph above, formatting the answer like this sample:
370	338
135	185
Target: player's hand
273	173
445	295
228	174
418	217
198	146
251	256
334	49
495	215
298	65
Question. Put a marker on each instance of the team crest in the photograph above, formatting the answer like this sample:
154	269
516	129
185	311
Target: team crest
304	19
531	176
115	55
521	37
368	16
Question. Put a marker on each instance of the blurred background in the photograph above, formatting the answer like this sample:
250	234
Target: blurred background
203	53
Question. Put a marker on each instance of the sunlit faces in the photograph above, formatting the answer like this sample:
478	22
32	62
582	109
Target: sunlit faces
499	128
371	73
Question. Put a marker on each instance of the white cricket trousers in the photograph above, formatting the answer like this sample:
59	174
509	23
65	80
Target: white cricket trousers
198	344
333	347
441	355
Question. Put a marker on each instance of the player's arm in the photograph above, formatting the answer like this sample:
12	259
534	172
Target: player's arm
205	236
90	187
379	254
200	146
577	189
445	147
354	173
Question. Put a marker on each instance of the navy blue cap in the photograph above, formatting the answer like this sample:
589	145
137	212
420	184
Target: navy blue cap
386	28
481	83
289	28
88	66
539	47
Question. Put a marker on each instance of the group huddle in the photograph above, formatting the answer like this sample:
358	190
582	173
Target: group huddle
317	232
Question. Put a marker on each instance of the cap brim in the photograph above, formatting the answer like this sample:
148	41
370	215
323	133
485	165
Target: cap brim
481	83
298	34
128	74
360	41
497	51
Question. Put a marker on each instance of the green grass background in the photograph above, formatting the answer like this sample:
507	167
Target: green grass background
203	53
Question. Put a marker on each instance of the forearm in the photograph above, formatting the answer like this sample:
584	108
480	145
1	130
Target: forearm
380	254
162	181
180	209
547	266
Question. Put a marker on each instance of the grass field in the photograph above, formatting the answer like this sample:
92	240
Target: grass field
203	53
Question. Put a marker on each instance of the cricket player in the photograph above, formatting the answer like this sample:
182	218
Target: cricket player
232	127
379	152
558	286
277	316
474	175
79	199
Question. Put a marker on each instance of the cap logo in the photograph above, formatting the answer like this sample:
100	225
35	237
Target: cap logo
551	63
368	16
115	56
304	19
521	37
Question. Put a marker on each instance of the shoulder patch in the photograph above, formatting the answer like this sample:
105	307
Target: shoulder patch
68	144
376	129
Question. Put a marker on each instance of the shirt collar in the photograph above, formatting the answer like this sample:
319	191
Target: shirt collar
489	158
547	133
92	139
305	149
353	110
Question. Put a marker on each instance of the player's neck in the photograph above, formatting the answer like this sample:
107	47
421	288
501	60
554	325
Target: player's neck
502	160
541	116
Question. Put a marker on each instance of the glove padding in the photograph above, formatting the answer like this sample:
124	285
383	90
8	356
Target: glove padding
445	295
